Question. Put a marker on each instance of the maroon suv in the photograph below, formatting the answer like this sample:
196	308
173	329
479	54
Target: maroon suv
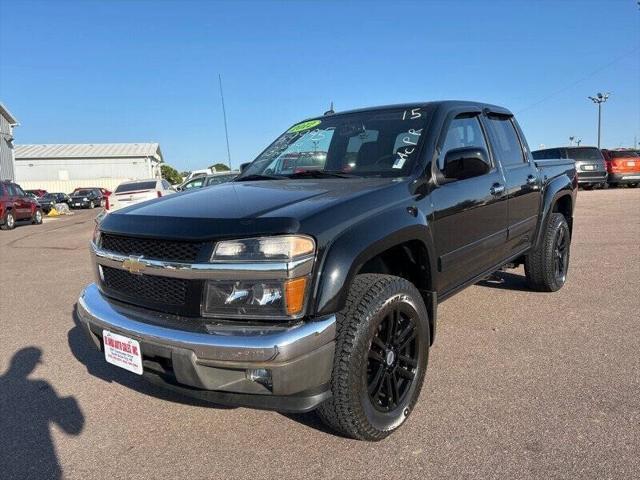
16	205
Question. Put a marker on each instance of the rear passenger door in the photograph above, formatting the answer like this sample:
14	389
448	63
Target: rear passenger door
522	181
469	215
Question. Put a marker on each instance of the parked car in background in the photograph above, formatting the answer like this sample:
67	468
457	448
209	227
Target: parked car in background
61	197
207	181
105	193
16	205
47	202
137	191
623	167
87	198
590	164
38	192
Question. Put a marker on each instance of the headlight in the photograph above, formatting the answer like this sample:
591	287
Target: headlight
284	247
85	199
277	298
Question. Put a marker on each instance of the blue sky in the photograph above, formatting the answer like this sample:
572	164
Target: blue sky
83	72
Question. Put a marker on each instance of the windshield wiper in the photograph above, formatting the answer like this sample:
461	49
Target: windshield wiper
320	174
256	176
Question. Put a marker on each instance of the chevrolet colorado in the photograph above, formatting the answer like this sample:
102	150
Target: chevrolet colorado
312	280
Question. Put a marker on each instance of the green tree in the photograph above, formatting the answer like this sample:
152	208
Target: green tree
170	174
220	167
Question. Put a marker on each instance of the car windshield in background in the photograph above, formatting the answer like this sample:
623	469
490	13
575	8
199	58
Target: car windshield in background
582	154
372	143
132	187
615	154
80	193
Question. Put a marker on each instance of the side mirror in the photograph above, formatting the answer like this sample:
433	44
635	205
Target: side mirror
466	162
243	166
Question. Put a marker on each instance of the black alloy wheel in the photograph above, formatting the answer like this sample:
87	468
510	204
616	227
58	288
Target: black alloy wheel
392	360
561	254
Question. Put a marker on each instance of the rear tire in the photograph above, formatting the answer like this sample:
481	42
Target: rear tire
381	356
9	221
546	267
37	217
632	185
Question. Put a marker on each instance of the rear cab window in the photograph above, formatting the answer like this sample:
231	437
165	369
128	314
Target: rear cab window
505	141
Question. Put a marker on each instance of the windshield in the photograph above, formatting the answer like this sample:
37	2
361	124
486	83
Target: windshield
581	154
131	187
82	192
370	143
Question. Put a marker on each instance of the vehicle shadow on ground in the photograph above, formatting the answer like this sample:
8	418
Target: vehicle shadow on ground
312	420
84	351
506	281
28	406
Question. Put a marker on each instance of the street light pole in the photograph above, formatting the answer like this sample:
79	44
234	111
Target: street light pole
599	99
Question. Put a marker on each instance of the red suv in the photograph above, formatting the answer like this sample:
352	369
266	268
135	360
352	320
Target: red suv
623	167
16	205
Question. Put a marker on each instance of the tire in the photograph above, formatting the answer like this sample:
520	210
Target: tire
364	403
546	268
9	221
92	205
632	185
587	187
37	217
613	185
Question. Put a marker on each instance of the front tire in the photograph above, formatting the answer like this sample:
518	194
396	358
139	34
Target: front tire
92	205
632	185
546	267
381	356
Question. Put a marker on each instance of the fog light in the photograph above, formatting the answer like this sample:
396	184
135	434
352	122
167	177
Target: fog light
261	376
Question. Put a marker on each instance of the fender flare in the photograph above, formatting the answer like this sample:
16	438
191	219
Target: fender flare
345	256
559	187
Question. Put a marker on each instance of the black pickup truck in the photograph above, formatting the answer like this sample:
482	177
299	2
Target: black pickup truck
312	280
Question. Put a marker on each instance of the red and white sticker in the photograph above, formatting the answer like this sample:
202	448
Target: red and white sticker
122	351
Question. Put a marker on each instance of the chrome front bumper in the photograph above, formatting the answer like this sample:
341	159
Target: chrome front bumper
221	358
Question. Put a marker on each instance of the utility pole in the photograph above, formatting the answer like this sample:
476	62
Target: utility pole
224	114
599	99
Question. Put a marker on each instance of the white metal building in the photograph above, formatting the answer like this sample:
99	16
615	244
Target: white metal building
64	167
7	162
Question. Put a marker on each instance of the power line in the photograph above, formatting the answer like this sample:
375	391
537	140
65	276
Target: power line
226	131
571	85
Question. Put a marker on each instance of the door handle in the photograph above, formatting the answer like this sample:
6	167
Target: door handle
496	189
531	180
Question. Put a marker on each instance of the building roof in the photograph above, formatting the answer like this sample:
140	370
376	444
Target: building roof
4	111
88	150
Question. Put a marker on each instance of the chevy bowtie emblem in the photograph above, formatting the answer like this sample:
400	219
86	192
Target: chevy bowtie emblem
134	265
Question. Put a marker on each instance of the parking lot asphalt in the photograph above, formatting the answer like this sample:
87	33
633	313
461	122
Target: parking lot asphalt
519	385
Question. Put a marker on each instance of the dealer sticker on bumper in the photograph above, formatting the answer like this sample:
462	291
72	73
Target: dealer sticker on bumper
122	351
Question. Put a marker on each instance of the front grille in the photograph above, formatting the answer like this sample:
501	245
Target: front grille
151	288
149	248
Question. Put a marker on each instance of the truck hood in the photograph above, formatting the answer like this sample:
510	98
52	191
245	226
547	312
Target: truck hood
240	208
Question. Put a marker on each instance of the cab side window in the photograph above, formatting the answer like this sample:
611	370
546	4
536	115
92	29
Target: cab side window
462	132
505	141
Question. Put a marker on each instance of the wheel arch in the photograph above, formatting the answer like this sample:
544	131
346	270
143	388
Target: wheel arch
388	246
559	196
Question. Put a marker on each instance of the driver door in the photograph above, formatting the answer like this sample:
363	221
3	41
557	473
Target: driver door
469	215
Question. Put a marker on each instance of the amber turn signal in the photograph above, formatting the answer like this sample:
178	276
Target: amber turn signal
294	291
